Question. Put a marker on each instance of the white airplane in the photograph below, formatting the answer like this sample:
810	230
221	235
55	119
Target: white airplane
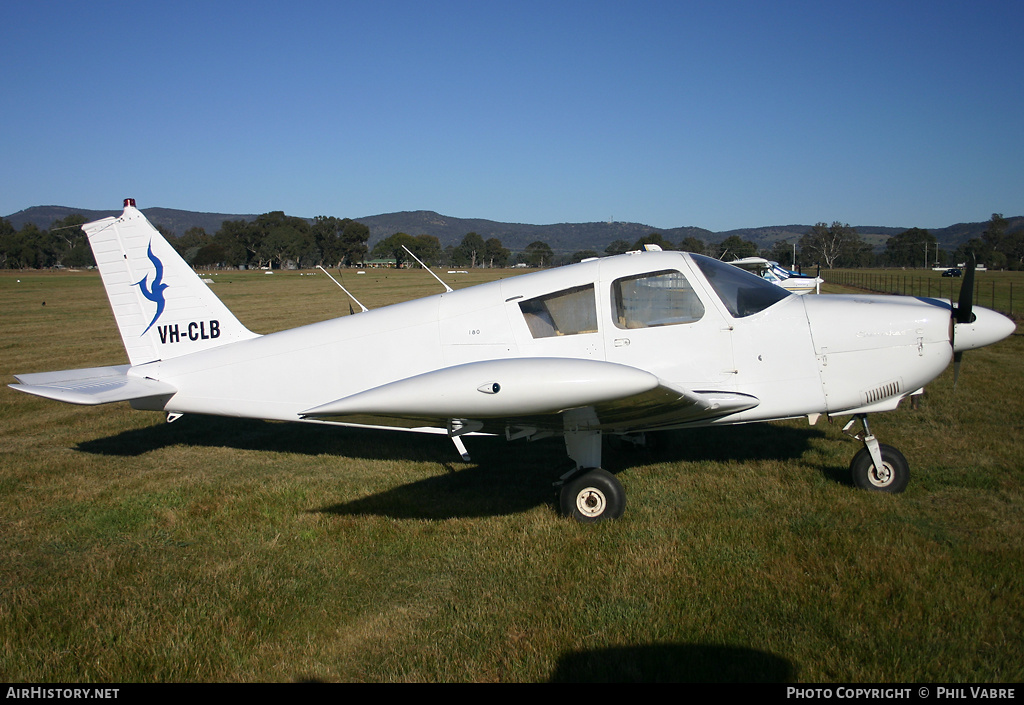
622	345
778	275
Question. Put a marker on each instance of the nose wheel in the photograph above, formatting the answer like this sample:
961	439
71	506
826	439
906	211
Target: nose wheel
877	467
891	476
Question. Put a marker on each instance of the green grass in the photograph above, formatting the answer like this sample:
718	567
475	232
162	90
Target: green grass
998	290
230	550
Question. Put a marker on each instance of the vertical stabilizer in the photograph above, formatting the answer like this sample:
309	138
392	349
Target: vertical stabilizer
162	308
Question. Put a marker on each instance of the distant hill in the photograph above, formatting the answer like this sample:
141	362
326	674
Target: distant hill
571	237
177	221
766	237
562	237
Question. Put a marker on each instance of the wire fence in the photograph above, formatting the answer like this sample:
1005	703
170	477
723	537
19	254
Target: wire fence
994	290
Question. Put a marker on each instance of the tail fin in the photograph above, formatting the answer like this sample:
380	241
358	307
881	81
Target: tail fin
162	308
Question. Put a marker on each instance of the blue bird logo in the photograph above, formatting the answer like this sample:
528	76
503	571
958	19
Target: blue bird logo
155	292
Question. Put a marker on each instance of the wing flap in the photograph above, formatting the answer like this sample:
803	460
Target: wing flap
668	406
92	385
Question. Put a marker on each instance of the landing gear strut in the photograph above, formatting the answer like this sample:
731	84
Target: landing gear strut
877	467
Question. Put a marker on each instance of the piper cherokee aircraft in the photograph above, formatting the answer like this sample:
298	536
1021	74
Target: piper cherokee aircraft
622	345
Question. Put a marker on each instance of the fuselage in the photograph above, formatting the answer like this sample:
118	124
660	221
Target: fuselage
668	313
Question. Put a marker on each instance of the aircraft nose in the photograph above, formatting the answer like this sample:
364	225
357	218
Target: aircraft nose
987	327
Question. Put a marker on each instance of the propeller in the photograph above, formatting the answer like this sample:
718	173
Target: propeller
963	313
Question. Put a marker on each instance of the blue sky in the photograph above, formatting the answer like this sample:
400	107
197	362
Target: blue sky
720	115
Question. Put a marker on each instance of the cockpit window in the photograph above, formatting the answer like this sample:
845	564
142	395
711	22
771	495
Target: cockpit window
655	299
743	293
567	312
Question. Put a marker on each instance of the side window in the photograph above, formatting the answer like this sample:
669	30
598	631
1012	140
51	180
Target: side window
566	312
655	299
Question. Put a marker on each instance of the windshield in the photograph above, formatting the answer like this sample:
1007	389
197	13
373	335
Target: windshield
742	293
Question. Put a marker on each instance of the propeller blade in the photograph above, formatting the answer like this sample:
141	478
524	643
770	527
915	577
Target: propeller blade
965	304
963	314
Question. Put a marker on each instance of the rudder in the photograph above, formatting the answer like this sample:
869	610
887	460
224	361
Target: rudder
162	308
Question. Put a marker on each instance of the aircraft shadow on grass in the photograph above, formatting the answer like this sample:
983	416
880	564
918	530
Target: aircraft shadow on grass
503	478
665	663
272	437
673	663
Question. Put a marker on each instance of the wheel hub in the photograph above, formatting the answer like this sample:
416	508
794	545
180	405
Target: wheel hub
880	477
591	502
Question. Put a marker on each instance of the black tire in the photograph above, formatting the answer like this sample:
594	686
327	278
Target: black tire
593	496
893	478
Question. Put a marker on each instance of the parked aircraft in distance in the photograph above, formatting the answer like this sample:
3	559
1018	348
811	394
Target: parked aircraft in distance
622	345
777	274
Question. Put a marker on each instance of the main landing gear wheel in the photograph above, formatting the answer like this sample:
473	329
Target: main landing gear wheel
594	495
892	477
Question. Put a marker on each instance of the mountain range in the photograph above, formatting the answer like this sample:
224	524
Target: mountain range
562	237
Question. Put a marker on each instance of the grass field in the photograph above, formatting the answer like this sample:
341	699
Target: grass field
997	290
230	550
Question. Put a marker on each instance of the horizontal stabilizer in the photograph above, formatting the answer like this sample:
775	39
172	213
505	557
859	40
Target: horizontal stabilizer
92	385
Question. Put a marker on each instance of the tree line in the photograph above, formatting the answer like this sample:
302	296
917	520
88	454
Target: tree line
838	245
272	239
276	240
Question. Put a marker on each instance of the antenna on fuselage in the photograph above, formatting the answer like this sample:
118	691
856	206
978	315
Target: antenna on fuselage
364	309
446	287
